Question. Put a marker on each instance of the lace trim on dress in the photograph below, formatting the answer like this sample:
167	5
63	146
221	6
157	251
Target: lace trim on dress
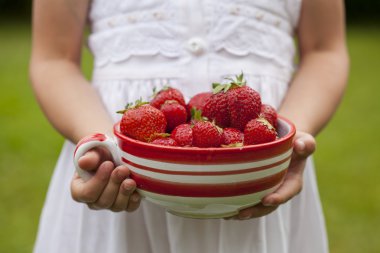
242	30
142	33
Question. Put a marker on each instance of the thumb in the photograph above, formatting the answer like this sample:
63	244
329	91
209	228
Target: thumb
304	145
92	159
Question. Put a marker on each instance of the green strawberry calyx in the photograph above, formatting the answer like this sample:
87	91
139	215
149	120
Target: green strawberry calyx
156	91
135	105
197	115
266	123
156	136
239	81
233	145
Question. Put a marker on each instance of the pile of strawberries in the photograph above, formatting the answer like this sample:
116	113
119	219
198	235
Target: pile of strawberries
230	116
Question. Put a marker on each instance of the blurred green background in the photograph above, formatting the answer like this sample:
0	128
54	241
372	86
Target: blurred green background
347	157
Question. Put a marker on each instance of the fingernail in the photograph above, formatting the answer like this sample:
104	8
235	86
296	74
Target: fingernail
135	198
245	217
120	174
268	203
301	145
128	187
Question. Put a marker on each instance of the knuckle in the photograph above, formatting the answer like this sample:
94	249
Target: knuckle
134	203
299	185
282	199
116	177
132	208
74	195
89	195
103	204
116	209
92	206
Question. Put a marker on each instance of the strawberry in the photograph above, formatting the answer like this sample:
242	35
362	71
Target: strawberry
232	137
165	141
198	101
244	102
270	114
166	93
141	121
259	131
175	114
216	109
206	134
233	104
183	135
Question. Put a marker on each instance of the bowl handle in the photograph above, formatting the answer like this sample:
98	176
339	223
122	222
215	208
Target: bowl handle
92	141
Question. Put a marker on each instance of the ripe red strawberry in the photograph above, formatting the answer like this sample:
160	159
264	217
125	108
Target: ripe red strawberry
232	137
183	135
269	113
167	93
206	134
233	104
175	114
244	103
141	121
198	101
259	131
165	141
216	109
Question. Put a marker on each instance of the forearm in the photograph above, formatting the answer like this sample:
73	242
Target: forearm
316	89
70	103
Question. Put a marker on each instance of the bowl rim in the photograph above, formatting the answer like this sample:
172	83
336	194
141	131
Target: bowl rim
253	147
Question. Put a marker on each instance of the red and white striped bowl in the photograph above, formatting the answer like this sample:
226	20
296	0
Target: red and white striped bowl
206	182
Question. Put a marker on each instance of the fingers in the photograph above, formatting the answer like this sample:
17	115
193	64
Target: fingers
109	194
92	159
256	211
124	196
291	186
134	202
304	146
89	191
109	188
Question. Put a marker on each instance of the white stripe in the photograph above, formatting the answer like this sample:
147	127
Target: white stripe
205	207
202	167
212	179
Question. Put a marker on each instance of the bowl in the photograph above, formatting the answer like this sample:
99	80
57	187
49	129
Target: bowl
200	182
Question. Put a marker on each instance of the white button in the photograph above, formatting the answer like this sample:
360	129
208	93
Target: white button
196	46
259	16
235	10
111	24
131	19
158	15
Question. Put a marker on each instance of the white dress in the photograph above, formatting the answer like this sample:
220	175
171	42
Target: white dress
139	45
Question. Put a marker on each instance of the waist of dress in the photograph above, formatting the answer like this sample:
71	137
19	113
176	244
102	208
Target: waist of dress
200	68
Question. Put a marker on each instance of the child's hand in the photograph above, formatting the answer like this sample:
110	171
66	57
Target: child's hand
109	188
304	146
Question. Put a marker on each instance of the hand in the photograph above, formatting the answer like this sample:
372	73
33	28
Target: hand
304	146
109	188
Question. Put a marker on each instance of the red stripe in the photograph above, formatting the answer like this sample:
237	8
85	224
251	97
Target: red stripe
93	137
205	173
206	190
199	156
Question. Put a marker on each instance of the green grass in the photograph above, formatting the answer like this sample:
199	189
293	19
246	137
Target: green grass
347	166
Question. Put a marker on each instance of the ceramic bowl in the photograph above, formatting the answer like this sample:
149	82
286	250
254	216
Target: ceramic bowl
201	182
